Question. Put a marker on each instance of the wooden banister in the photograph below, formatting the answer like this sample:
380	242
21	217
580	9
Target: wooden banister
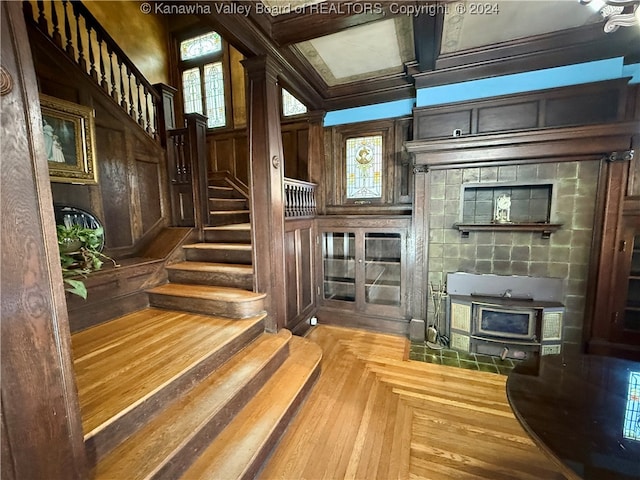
300	198
87	44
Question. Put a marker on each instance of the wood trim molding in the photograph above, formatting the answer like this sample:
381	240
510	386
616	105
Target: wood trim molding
522	147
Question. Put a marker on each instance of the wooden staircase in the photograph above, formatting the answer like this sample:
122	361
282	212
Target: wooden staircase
166	393
192	387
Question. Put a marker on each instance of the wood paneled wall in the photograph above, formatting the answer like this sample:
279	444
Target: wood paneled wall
592	103
397	189
228	152
131	197
299	241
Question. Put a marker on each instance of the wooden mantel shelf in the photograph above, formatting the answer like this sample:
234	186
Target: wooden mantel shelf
545	228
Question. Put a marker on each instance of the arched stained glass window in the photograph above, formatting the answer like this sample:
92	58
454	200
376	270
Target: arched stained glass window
202	45
364	167
291	105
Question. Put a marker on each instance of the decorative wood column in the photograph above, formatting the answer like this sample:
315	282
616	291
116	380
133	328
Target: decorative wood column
420	244
266	178
41	424
316	156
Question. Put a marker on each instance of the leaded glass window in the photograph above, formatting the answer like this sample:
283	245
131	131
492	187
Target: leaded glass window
203	77
364	167
291	105
202	45
214	93
191	91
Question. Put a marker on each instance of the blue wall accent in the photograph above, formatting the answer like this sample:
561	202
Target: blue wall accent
596	71
632	70
378	111
522	82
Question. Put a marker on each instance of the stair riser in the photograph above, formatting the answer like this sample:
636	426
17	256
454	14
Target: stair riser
228	219
227	236
267	447
227	204
223	193
104	441
242	257
219	308
244	281
179	463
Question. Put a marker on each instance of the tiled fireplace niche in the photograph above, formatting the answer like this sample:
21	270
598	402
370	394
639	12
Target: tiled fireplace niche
565	254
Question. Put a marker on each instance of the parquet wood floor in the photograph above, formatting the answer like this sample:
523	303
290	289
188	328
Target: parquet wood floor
374	415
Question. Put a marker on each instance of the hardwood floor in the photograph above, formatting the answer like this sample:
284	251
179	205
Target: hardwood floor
374	415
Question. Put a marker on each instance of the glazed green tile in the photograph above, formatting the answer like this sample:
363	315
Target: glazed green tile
428	358
467	356
416	355
503	363
451	362
488	367
468	365
481	358
449	354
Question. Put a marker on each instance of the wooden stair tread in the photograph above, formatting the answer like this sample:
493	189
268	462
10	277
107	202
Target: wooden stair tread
117	370
232	453
233	226
220	246
154	445
212	267
207	292
227	212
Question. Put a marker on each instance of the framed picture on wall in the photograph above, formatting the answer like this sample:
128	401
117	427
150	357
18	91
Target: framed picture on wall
69	141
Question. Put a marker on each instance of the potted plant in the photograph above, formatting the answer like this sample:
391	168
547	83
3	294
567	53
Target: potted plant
80	253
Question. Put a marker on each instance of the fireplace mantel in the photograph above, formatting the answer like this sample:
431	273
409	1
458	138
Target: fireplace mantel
534	146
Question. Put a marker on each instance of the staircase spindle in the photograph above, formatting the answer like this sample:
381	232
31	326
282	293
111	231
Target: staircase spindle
103	73
146	106
123	101
57	38
42	19
27	8
81	60
140	119
114	91
92	58
132	112
67	31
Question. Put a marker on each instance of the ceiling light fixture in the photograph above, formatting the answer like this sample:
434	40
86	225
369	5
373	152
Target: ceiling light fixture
617	13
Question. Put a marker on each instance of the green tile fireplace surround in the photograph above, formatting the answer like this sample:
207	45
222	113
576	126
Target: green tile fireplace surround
565	254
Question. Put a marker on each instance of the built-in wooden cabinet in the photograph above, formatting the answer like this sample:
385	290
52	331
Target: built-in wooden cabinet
363	272
626	310
615	325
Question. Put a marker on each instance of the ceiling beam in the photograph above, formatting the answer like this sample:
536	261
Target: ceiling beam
427	35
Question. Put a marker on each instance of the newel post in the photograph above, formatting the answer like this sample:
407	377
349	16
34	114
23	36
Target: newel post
266	163
197	141
166	111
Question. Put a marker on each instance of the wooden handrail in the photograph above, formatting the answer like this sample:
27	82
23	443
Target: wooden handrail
300	198
118	77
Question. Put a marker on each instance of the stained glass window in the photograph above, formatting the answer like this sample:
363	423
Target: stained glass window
191	90
214	94
364	167
198	46
291	105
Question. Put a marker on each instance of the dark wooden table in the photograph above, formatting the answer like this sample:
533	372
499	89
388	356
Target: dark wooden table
583	411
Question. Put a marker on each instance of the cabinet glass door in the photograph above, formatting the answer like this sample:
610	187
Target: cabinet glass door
383	275
632	308
338	256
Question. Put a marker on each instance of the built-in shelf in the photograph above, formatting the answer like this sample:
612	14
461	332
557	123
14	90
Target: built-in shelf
546	229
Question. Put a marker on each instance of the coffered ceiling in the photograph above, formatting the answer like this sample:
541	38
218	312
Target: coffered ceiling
337	54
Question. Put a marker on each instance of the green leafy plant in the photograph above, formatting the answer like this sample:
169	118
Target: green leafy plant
80	254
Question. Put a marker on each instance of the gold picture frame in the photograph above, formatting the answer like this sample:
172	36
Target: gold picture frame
69	141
